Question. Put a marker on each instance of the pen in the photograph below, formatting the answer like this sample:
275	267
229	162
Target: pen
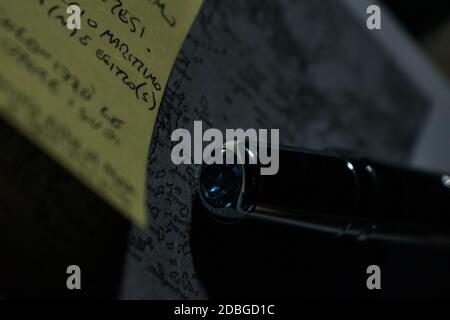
331	192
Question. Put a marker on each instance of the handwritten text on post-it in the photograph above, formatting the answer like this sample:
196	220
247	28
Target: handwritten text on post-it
90	96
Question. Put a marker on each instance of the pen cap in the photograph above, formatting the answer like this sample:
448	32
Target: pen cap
310	182
306	183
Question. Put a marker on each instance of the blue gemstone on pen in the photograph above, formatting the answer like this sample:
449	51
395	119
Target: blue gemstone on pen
220	184
214	189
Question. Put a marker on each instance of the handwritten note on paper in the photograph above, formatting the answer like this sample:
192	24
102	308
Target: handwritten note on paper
90	97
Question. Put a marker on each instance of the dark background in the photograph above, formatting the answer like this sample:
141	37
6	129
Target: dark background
420	17
429	23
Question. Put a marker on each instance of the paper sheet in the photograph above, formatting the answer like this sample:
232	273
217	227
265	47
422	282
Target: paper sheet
90	97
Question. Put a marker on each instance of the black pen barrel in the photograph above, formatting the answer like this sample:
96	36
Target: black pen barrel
311	189
335	193
356	196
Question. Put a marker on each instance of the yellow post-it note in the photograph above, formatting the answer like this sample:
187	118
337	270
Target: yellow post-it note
90	96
